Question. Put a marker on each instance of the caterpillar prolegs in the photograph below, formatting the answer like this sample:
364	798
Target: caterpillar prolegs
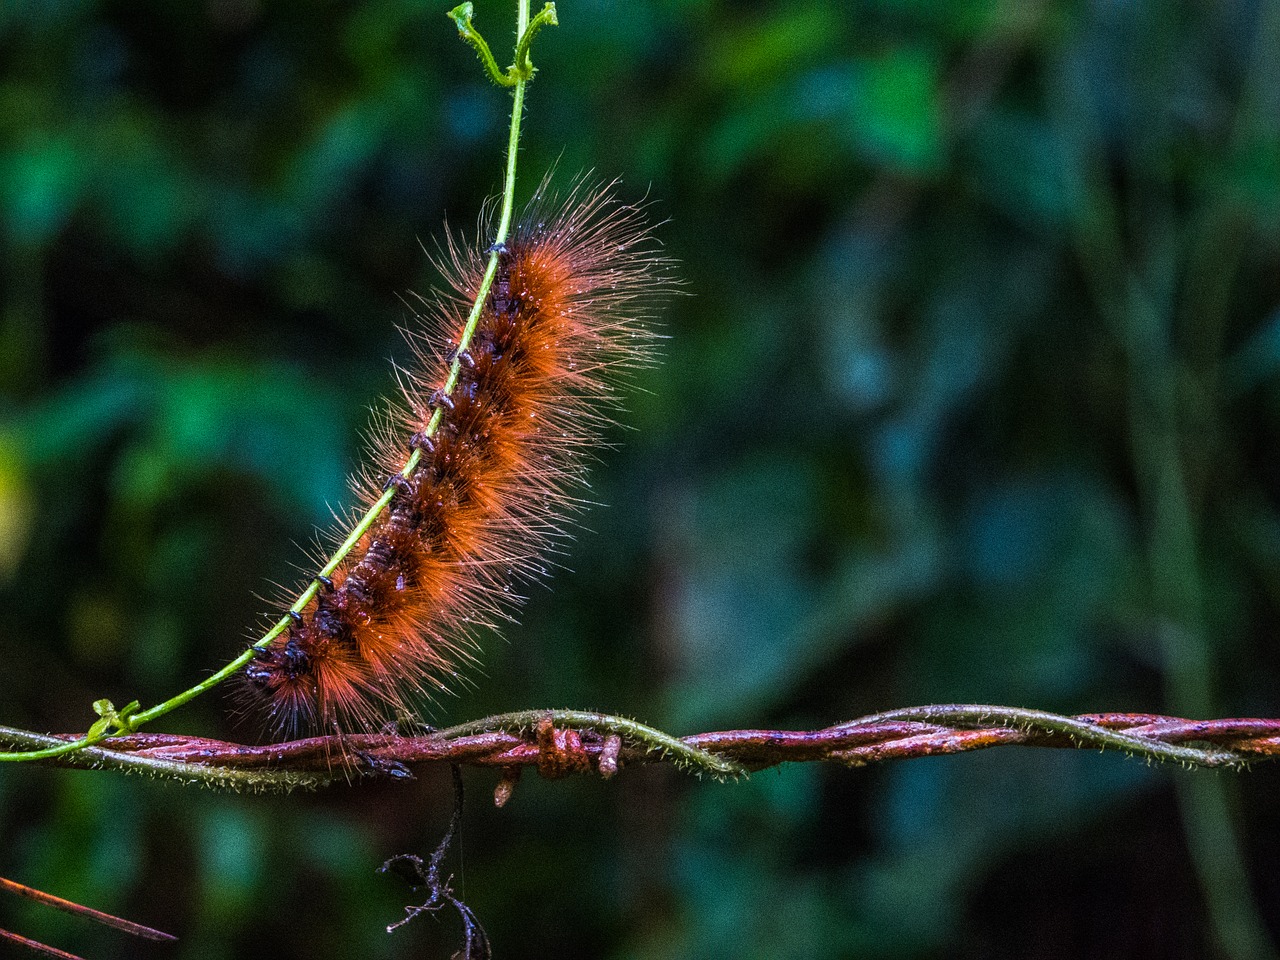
568	313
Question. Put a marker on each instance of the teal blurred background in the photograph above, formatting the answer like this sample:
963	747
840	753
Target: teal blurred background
975	397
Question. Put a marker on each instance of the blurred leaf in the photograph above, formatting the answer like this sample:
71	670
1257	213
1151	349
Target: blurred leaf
17	508
1256	361
1021	168
946	826
40	184
897	110
794	37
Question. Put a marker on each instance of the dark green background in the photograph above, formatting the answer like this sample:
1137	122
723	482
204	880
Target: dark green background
974	397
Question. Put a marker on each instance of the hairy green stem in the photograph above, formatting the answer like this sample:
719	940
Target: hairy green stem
247	779
650	738
520	73
523	66
461	15
1084	734
522	69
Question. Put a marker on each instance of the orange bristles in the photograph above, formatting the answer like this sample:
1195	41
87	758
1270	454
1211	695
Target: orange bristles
567	313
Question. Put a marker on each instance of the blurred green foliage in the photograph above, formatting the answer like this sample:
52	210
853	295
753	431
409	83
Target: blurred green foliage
974	398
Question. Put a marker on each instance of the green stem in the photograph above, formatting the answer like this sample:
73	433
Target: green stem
461	15
523	66
250	779
525	32
522	69
1084	734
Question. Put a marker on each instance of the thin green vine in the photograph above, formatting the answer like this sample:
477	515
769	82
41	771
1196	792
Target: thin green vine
237	779
1076	730
273	778
113	722
650	738
522	69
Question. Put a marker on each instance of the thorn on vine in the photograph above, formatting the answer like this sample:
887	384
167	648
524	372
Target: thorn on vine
506	787
608	762
560	751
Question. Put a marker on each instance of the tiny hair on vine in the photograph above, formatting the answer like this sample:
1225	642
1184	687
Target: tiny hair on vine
481	460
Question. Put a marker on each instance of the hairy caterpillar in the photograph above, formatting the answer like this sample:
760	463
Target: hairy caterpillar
567	313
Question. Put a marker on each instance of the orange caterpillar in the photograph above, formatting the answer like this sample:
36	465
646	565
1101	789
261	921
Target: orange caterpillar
566	313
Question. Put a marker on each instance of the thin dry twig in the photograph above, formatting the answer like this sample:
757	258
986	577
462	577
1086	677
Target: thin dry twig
69	906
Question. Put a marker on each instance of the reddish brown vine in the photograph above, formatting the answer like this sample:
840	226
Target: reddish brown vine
557	749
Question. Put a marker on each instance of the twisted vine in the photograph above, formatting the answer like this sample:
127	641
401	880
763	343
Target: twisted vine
563	742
